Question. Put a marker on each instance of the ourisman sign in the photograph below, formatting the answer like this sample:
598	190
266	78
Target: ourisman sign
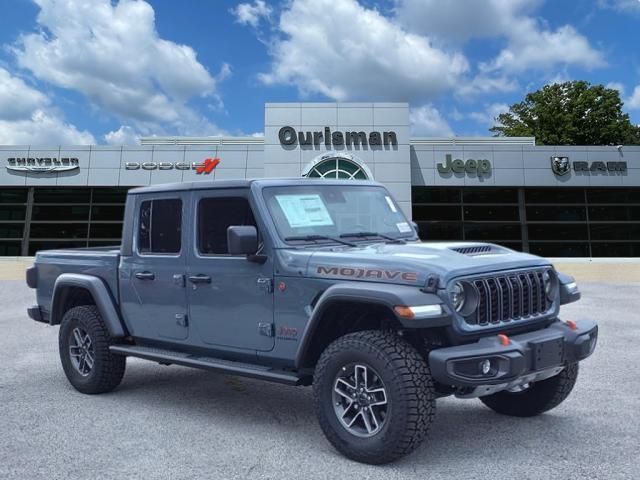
288	136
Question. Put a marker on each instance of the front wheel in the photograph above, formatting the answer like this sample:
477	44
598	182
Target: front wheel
538	398
84	352
374	396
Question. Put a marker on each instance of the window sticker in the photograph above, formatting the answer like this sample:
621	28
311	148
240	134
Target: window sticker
390	203
304	210
403	227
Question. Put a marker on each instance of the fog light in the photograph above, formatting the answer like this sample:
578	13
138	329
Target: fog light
485	366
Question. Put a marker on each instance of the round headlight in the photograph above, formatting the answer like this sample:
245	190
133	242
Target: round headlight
548	283
458	296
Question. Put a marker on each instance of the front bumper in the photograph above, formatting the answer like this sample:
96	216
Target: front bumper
528	357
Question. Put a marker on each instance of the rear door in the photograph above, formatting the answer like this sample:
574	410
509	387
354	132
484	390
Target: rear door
230	298
152	279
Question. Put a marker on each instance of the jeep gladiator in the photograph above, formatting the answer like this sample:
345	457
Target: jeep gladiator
315	282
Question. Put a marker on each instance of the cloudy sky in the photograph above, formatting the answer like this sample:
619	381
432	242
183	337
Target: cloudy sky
101	71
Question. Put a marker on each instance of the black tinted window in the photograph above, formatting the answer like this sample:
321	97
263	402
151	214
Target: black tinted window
215	215
159	227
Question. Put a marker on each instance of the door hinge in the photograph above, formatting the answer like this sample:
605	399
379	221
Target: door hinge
265	329
181	319
265	284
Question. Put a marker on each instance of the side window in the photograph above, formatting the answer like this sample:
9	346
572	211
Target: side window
160	226
214	216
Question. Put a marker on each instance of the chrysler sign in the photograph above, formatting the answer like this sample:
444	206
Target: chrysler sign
42	164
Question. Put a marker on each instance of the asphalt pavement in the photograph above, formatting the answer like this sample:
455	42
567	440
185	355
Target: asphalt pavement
177	423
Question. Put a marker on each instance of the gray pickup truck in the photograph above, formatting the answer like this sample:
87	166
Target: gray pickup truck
315	282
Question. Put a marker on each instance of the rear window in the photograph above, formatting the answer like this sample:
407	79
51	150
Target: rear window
160	226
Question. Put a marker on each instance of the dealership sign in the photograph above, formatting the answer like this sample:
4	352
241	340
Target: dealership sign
561	166
288	136
471	166
42	164
205	167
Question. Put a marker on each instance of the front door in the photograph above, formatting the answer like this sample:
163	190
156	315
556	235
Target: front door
152	279
230	298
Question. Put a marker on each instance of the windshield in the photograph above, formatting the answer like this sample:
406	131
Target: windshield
334	212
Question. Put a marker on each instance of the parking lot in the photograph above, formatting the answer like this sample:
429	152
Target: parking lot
175	423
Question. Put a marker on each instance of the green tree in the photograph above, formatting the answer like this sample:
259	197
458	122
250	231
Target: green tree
570	113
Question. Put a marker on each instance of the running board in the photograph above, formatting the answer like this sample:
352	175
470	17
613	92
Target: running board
208	363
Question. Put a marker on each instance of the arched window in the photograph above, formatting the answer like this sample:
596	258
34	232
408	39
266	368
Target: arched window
337	166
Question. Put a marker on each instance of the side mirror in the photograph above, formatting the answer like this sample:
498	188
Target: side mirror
242	240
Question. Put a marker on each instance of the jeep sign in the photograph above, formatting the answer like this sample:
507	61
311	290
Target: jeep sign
470	166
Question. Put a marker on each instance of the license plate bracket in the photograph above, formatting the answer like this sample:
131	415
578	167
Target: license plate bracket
547	353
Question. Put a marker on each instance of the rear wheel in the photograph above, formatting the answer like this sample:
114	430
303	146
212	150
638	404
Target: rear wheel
538	398
84	352
373	396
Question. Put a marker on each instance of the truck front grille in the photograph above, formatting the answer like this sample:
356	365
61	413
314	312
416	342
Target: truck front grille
509	297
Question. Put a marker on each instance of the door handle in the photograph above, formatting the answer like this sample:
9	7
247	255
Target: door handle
199	278
145	275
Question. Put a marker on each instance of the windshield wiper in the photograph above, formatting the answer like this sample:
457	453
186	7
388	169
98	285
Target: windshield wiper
311	238
372	234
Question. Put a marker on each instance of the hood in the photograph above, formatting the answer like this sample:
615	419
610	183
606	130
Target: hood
408	264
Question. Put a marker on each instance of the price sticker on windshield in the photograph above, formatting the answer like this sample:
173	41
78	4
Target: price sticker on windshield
403	227
304	210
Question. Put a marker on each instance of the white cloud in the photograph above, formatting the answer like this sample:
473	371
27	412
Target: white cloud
532	48
616	86
125	135
26	117
633	102
625	6
490	114
112	54
427	121
460	20
251	14
17	99
530	44
44	129
484	84
345	51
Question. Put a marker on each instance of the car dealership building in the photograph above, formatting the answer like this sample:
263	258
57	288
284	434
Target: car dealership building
579	201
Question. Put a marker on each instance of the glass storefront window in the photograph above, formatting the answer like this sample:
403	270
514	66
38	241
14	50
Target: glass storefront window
8	212
110	195
437	212
13	195
60	212
440	230
554	195
10	249
492	213
557	213
11	230
557	231
492	231
62	195
105	230
59	230
107	213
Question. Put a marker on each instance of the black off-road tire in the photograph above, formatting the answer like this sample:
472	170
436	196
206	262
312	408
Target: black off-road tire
538	398
410	395
108	369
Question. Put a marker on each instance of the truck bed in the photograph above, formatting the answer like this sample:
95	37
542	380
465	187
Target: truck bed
100	262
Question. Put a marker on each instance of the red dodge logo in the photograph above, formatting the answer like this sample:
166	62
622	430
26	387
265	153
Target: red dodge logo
208	165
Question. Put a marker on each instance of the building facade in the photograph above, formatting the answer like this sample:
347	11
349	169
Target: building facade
549	200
